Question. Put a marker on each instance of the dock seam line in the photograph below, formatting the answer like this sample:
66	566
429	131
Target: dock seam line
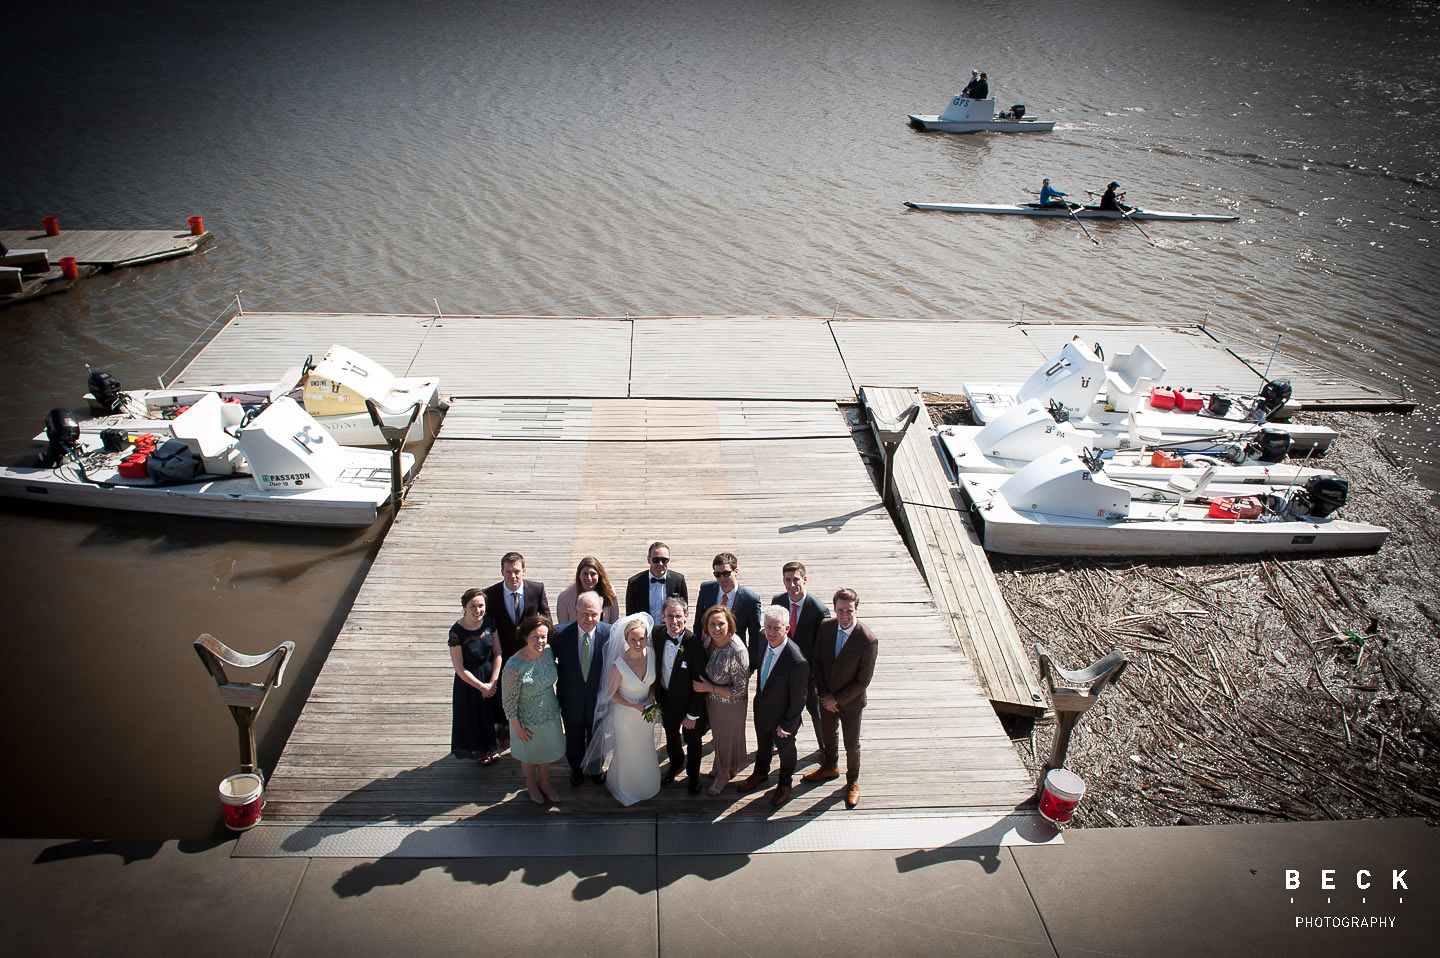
290	906
1033	903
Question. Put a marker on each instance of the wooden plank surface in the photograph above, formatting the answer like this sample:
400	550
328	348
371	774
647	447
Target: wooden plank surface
106	248
954	563
717	357
372	742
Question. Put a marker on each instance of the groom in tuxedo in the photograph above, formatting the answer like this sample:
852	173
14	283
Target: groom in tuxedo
780	684
682	709
579	648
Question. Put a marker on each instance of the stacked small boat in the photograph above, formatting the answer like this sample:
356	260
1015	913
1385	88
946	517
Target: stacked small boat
1060	468
249	452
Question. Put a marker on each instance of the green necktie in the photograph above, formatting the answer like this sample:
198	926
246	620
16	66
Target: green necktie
585	657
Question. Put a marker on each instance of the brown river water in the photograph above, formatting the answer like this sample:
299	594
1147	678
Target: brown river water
662	157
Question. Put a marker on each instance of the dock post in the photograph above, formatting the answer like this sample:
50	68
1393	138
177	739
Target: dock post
891	434
1081	690
244	699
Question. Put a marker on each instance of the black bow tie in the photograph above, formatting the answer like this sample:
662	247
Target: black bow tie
655	581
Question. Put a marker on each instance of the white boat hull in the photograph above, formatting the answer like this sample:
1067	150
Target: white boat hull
283	468
1084	213
1023	125
1056	506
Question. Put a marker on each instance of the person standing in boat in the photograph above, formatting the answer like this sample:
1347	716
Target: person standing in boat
981	88
970	87
1050	196
1111	200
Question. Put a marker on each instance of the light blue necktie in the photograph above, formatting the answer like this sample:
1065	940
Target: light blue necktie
765	672
840	637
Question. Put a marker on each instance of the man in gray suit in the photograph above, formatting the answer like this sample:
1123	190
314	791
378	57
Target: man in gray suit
780	685
725	590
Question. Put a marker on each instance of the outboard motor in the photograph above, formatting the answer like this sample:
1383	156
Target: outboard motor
1273	396
1326	493
106	390
1018	110
1272	445
63	432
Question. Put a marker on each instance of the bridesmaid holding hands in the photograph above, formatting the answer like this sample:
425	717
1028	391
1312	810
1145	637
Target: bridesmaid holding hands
476	658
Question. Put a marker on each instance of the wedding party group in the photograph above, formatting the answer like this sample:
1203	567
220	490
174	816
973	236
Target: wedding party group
591	688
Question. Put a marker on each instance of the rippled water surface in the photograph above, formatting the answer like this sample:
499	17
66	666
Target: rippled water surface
600	158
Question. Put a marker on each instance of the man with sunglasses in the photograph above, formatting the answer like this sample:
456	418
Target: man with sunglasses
725	589
647	591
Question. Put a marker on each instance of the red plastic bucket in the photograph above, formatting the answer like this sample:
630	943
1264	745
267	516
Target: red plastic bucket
241	800
197	225
1062	793
52	225
68	269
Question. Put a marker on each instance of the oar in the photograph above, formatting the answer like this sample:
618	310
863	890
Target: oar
1126	214
1070	208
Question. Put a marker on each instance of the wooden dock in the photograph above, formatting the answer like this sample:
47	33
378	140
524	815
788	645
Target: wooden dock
94	251
949	554
629	429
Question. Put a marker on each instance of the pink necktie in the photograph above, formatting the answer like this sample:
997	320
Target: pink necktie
794	618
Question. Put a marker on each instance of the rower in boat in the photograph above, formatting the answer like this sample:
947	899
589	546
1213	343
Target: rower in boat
1050	196
1111	200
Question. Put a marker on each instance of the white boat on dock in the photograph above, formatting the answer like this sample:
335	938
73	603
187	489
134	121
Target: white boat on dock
964	115
1122	399
334	391
282	467
1065	505
1073	210
1027	431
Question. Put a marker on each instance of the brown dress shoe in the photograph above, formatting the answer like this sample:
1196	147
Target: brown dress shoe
821	774
781	795
751	783
852	795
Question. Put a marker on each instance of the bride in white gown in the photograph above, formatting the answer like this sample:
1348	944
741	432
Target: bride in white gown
623	738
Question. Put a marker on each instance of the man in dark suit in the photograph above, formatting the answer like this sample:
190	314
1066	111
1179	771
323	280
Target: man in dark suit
579	648
780	687
682	709
647	591
725	589
512	599
508	601
806	614
845	651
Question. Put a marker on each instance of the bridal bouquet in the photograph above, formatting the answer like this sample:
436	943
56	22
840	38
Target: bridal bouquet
651	712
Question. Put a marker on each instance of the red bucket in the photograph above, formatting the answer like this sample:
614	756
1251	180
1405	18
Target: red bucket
1063	791
68	269
52	225
197	225
241	800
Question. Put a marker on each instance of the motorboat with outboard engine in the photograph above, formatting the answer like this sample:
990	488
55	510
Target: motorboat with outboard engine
964	115
281	467
1023	433
334	391
1123	400
1065	503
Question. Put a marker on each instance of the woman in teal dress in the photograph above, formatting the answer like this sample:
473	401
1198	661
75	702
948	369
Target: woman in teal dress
528	688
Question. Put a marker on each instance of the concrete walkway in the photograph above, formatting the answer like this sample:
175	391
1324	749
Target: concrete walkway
1209	890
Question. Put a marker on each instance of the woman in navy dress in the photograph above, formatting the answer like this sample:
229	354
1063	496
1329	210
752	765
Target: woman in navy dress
474	652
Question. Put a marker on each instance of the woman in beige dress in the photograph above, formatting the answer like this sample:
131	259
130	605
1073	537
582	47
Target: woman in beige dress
589	577
727	679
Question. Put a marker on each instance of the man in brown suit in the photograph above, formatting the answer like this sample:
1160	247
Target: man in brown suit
844	663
